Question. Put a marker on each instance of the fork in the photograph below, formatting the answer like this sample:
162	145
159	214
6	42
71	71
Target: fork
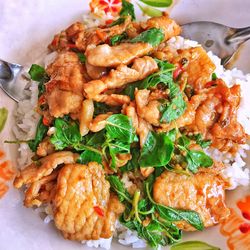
222	40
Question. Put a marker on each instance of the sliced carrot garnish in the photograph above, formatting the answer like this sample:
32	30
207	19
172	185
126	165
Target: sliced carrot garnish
6	172
3	189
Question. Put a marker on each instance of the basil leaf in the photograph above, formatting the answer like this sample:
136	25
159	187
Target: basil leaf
117	186
130	89
117	22
193	245
127	10
41	132
183	141
94	139
150	11
133	163
200	141
120	127
3	117
118	38
89	156
67	134
81	57
172	214
117	147
172	134
176	107
158	3
37	73
152	36
157	150
196	159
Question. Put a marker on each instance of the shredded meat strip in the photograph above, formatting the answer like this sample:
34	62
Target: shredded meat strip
44	167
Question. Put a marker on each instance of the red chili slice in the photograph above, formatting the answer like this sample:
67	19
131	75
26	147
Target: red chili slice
45	121
99	211
245	228
177	72
246	215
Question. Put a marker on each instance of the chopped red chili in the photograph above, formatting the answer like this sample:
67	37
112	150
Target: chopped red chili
177	72
245	228
246	215
99	211
46	121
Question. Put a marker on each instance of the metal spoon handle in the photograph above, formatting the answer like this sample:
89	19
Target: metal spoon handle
239	36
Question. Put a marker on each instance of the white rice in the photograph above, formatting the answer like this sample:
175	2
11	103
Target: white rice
236	169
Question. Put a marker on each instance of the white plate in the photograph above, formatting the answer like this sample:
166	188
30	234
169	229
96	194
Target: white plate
26	27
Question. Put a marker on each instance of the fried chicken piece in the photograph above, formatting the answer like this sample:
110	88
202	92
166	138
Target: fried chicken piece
141	68
64	90
41	191
113	99
44	167
95	72
83	208
45	148
202	192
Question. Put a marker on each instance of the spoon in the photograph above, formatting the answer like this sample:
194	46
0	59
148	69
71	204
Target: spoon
222	40
9	72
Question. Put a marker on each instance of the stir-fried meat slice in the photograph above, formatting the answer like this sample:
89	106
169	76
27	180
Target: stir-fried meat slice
64	90
188	117
113	99
141	68
124	53
141	126
168	25
202	192
216	117
99	122
95	36
95	72
199	67
146	109
83	208
44	167
65	39
63	102
45	148
41	191
67	70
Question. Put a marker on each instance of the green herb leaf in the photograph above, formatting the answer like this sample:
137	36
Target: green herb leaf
117	22
81	57
158	3
214	77
133	163
196	159
150	11
120	127
67	134
37	73
157	150
89	156
41	132
117	186
172	214
118	38
176	107
200	141
127	10
3	118
152	36
193	245
94	139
